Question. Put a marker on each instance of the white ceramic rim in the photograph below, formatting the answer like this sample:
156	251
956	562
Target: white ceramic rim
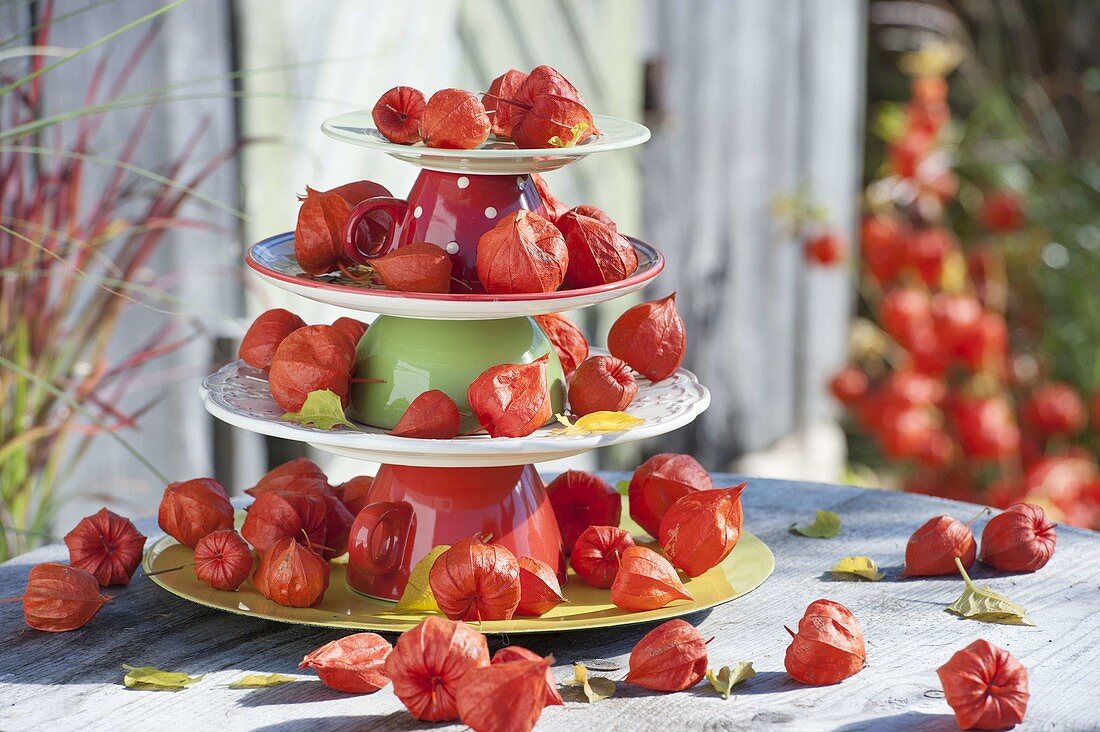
616	133
477	450
454	306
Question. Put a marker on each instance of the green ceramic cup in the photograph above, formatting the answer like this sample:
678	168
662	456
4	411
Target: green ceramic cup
412	356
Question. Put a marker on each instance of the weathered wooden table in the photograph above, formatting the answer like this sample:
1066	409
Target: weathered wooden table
70	681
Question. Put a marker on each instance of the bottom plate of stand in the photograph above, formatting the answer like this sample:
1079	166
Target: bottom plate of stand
745	569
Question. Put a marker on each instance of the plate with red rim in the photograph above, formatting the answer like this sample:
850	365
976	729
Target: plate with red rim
496	156
238	394
274	261
747	567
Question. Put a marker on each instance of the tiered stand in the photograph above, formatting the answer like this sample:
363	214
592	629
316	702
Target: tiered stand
432	492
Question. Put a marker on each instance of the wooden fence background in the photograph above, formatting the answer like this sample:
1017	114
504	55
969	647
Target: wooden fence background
759	98
748	99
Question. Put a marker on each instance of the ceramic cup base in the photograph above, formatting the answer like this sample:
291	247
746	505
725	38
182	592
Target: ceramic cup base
409	356
410	510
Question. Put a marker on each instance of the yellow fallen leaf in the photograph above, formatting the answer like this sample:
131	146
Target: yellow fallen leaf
862	567
598	422
592	688
417	597
150	678
730	676
258	681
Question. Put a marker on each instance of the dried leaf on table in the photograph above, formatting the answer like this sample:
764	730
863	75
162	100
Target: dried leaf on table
150	678
259	681
857	568
826	525
982	603
591	688
728	677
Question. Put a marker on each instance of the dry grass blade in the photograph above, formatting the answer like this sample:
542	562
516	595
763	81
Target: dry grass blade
73	259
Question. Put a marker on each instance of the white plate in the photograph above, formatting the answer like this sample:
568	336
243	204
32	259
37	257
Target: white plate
238	394
273	259
496	155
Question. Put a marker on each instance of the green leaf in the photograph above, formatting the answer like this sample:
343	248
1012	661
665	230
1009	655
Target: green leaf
730	676
321	409
150	678
857	568
985	605
259	681
591	688
418	597
826	525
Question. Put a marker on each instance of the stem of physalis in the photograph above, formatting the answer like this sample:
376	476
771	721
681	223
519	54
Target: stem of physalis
981	513
166	571
513	102
311	545
364	274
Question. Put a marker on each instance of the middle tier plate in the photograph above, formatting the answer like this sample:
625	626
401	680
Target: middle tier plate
273	260
238	394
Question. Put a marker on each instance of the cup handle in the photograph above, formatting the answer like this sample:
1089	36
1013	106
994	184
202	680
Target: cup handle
396	209
386	536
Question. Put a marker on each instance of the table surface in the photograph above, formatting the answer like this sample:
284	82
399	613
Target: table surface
69	681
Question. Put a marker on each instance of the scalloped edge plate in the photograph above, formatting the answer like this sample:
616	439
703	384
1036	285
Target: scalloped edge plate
747	567
497	156
238	394
273	260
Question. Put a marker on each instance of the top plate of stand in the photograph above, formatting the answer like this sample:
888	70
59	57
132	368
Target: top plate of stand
497	156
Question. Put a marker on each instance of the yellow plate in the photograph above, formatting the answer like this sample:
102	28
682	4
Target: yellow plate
745	569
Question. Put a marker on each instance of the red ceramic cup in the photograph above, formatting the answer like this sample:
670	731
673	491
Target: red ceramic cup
451	210
413	509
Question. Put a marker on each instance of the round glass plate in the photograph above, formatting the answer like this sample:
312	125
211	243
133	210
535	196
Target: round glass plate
273	259
745	569
496	156
238	394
